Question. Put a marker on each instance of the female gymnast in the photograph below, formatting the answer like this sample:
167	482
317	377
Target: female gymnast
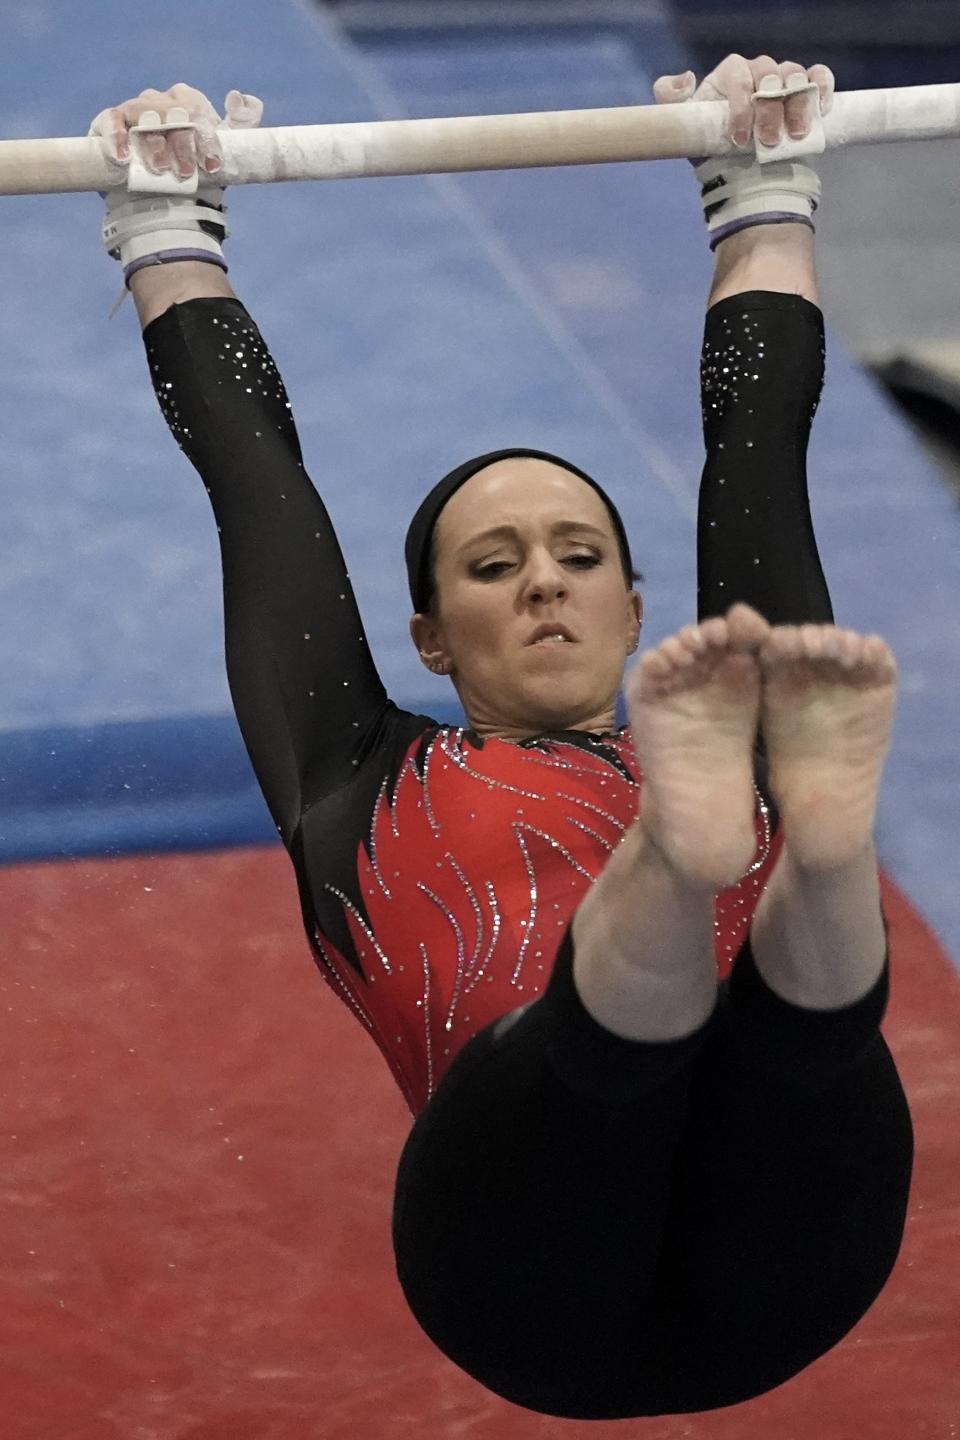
629	981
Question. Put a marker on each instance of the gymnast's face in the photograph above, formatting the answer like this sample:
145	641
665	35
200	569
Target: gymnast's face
554	562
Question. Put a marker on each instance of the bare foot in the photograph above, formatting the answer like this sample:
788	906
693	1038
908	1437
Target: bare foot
827	709
694	707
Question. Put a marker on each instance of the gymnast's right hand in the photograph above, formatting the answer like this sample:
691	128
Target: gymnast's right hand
178	150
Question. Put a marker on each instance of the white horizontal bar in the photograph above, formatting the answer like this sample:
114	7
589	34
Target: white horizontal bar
484	142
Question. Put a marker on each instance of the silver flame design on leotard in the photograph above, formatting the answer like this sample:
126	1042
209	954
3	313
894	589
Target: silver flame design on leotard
465	965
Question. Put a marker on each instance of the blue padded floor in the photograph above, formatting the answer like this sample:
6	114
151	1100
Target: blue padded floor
416	322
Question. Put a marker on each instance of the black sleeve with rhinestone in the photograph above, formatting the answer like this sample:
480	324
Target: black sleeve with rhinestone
762	373
307	695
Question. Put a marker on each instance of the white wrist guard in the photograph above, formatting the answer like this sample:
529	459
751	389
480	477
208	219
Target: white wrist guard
144	229
150	224
738	191
154	218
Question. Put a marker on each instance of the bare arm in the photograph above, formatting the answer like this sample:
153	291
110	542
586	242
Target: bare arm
156	287
766	257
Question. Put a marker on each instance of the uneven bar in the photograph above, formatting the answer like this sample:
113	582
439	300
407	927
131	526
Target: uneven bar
484	142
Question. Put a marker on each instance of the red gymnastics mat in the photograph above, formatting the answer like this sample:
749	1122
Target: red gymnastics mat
198	1149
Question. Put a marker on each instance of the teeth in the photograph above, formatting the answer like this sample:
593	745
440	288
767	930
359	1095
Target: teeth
553	640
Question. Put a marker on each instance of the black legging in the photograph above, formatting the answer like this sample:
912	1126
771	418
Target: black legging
597	1228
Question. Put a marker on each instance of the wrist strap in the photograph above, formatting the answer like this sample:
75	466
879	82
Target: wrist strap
141	230
775	218
170	257
771	186
738	192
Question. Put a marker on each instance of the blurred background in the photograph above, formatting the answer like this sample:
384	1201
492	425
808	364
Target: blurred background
196	1240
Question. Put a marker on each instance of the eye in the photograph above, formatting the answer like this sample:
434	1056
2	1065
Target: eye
491	571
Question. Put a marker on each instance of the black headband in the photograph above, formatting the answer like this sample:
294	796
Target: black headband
417	545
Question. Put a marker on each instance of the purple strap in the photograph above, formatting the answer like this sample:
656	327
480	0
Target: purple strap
774	217
167	257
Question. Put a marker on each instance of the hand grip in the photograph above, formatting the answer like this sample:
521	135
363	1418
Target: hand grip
813	143
168	182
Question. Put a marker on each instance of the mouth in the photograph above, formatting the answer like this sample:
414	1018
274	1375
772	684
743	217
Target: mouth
551	635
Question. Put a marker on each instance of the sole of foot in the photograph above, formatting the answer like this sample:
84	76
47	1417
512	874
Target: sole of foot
694	707
827	706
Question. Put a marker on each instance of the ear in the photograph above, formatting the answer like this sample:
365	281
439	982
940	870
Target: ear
634	621
429	646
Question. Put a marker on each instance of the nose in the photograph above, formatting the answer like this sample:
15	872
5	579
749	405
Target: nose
547	581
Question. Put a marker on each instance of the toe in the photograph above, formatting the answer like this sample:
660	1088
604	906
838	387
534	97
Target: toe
677	652
748	628
783	645
811	641
714	631
656	663
832	646
852	647
692	638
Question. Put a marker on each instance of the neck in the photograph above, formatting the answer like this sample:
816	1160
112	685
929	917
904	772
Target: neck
515	735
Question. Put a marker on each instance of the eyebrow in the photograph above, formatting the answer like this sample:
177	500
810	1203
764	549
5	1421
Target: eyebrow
510	532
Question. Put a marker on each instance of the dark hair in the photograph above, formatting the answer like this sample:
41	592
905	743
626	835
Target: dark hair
631	577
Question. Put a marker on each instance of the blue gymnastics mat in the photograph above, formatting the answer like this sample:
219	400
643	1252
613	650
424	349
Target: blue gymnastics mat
416	322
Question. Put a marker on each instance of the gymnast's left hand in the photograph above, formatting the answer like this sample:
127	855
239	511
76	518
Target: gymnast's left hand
736	80
179	150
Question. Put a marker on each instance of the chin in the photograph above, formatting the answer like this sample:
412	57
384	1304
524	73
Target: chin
561	715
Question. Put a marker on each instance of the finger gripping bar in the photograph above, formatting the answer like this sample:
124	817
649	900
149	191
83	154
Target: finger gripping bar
142	181
815	140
